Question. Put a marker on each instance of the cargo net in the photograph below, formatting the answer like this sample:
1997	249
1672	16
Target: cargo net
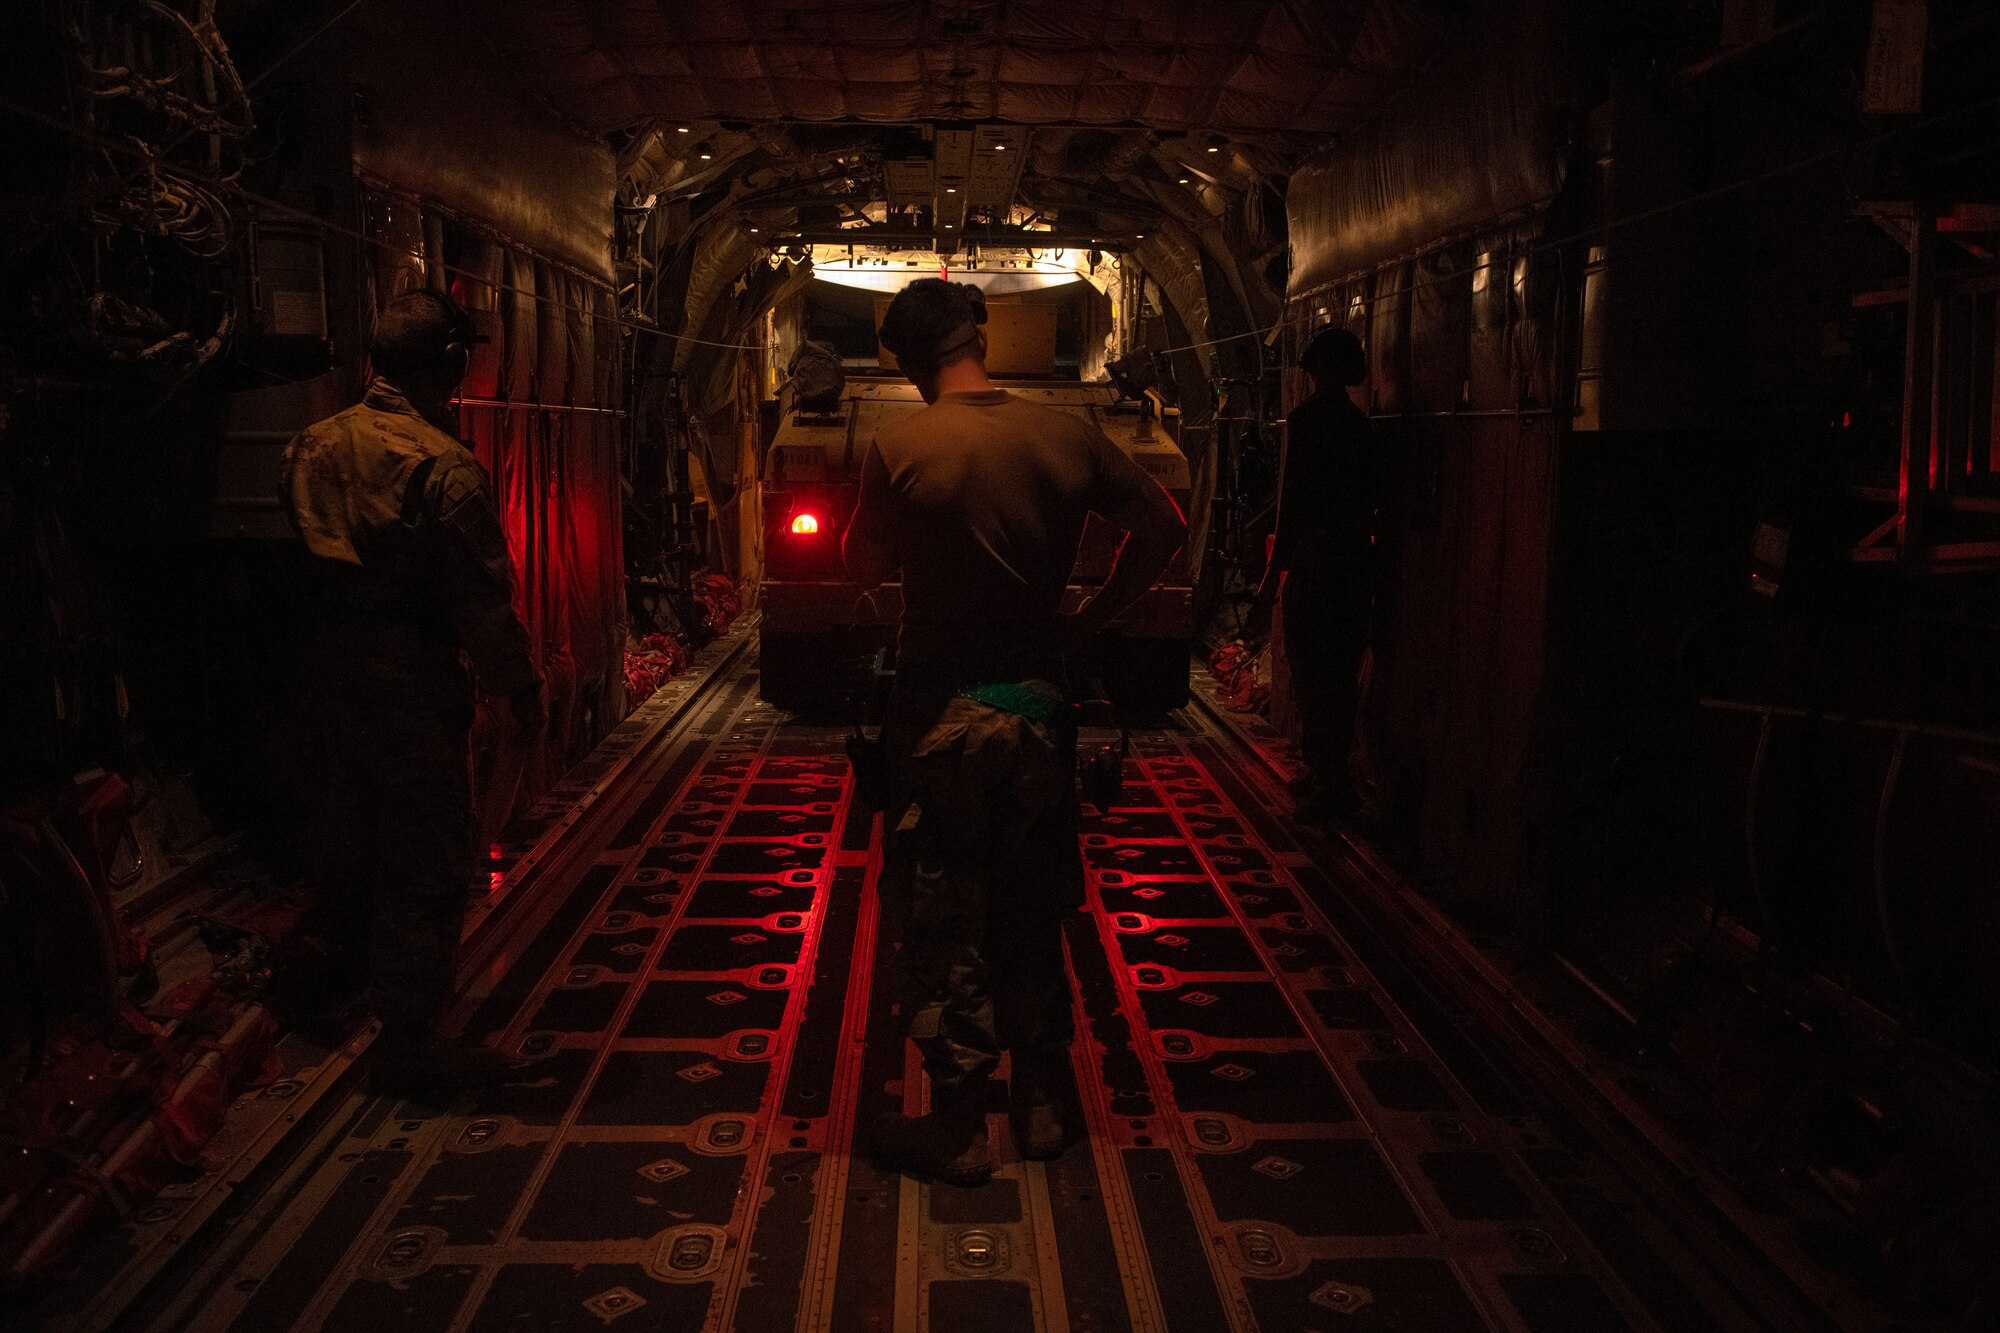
1239	684
718	602
659	658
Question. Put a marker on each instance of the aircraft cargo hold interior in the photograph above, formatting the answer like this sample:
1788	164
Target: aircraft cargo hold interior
979	666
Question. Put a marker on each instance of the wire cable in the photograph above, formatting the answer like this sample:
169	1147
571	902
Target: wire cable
1541	247
240	191
244	89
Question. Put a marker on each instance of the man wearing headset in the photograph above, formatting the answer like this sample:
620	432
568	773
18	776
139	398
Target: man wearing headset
407	570
979	500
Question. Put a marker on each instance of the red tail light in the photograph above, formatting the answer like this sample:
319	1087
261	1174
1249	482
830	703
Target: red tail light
805	525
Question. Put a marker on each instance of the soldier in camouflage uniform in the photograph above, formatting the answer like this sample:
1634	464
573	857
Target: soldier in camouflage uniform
980	501
408	570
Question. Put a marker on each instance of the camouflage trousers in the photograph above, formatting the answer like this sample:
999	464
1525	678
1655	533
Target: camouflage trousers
393	836
982	865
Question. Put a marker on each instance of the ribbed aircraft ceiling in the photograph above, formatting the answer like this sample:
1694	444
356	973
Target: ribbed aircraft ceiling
1242	68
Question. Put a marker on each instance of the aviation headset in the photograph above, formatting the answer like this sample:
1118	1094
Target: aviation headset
941	326
458	333
463	336
972	302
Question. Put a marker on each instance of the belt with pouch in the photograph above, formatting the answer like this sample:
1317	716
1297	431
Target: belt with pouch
1024	701
1100	769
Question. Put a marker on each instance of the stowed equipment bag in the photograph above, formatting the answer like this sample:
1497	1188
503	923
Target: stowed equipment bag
817	378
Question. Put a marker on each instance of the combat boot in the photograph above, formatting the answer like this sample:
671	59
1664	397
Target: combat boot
1034	1104
949	1144
421	1066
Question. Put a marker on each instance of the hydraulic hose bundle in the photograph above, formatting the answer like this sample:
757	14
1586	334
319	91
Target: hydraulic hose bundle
126	271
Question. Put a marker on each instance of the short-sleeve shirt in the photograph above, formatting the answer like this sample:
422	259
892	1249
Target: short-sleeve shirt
983	497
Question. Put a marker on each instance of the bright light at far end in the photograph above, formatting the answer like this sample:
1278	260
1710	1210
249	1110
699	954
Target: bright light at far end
805	525
997	273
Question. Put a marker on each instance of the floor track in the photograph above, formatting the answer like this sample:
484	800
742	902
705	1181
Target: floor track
1289	1128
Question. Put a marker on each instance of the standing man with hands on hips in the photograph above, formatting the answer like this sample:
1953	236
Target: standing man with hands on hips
979	501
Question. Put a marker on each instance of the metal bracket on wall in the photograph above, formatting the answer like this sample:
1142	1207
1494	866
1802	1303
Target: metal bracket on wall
1947	433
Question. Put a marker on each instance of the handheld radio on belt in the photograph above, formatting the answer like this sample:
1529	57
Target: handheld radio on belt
1100	769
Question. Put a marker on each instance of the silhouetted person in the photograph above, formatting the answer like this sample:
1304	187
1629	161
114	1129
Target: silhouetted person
980	501
1323	558
408	569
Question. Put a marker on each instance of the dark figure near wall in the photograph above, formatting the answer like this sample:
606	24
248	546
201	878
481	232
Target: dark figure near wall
1322	570
407	571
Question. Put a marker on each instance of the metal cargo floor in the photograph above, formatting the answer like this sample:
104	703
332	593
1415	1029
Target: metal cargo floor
1291	1126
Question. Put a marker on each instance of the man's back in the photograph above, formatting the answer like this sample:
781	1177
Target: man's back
980	500
347	481
985	496
1333	481
409	564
